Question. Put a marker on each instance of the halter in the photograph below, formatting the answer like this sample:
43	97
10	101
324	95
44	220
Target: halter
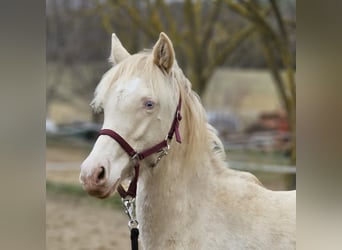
128	197
162	148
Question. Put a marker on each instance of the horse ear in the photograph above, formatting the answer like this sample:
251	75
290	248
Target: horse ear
163	53
118	52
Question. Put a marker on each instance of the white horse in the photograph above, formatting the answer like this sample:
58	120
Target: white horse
190	199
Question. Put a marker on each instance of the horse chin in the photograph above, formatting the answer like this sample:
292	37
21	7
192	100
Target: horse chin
106	191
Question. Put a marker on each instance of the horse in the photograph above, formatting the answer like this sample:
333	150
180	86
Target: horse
186	196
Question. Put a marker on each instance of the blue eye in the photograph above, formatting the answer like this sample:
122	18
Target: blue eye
149	104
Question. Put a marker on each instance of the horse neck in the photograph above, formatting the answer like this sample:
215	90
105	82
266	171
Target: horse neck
170	189
174	172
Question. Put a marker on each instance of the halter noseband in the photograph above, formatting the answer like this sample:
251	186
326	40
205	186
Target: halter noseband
161	148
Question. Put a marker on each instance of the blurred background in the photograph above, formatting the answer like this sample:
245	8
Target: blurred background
239	56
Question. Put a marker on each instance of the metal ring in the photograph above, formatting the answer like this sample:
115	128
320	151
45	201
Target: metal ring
133	224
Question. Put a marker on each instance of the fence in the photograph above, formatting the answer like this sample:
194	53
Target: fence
247	166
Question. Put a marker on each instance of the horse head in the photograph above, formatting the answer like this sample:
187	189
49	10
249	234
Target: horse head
139	99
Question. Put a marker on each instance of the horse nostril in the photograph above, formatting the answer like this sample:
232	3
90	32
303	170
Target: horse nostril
101	174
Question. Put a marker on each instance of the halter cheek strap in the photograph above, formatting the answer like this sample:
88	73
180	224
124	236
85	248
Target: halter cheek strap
161	148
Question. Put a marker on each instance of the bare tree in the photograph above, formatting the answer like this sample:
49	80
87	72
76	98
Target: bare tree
195	30
275	41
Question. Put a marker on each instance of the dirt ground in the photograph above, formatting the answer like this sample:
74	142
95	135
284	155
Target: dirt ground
73	223
79	223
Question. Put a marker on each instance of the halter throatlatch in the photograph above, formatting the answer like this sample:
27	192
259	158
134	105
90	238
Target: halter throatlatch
161	148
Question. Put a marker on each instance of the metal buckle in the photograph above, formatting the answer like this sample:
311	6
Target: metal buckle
162	152
129	204
135	158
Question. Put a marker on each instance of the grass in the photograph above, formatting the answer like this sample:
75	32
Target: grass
62	188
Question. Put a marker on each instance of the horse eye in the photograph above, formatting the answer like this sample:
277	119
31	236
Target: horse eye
149	104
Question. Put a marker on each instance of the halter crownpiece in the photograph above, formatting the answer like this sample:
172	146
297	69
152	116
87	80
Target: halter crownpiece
162	148
175	125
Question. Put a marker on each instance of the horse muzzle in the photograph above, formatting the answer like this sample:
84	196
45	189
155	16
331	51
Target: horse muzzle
97	184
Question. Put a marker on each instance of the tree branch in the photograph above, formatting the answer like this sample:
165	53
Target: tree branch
234	42
286	54
210	24
136	18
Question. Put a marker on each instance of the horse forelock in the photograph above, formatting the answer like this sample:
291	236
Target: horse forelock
138	65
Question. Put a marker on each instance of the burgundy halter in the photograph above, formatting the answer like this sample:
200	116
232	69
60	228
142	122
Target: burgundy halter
161	148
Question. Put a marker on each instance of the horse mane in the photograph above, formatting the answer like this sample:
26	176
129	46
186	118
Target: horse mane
196	131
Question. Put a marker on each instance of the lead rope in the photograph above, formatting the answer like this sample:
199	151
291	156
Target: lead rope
129	204
134	238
